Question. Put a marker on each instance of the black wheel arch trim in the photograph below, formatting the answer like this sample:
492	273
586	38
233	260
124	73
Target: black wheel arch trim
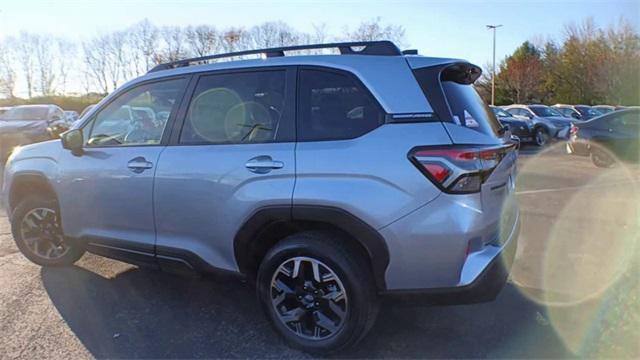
26	177
368	237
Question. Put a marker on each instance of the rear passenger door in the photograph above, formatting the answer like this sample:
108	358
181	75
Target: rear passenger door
231	154
340	150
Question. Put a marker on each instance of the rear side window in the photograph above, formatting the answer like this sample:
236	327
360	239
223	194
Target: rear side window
469	110
334	106
237	108
465	105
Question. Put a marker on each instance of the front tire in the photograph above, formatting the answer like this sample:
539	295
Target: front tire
541	136
36	228
318	293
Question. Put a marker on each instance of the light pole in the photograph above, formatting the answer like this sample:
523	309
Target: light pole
493	75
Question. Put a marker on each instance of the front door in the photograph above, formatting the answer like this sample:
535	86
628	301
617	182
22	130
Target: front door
106	195
233	156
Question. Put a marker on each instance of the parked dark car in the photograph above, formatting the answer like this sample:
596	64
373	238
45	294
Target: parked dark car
27	124
523	129
605	109
578	112
608	138
547	123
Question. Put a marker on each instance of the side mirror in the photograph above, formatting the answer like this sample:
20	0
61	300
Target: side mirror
575	115
73	140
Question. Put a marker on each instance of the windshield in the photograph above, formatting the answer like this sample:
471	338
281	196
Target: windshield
500	112
26	113
588	111
545	111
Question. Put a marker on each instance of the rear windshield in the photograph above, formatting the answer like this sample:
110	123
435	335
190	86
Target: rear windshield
469	109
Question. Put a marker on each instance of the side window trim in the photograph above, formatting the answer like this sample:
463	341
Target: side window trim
332	70
90	123
290	106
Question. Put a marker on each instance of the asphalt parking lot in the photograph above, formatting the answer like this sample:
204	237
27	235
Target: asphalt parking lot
580	227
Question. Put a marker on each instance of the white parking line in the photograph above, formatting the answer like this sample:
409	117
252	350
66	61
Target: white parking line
600	185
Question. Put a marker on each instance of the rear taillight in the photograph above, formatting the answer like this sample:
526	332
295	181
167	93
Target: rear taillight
573	130
458	169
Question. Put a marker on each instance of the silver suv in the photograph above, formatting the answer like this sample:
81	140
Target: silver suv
329	180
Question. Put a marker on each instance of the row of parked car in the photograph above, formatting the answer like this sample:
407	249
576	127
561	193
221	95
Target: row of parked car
26	124
605	133
538	124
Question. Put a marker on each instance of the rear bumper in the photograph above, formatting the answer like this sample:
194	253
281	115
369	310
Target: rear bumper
578	148
495	263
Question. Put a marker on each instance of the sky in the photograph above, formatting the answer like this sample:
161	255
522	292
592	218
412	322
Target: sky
435	28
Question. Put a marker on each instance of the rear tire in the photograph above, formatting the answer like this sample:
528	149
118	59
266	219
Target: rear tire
323	316
37	231
601	158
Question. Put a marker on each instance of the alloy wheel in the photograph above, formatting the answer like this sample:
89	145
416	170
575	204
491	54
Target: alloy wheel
541	137
41	233
309	298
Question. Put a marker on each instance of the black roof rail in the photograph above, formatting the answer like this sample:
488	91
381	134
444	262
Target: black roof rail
384	47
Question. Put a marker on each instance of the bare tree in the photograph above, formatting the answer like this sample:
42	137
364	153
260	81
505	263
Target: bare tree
66	54
117	65
202	40
44	62
7	72
25	51
272	34
173	44
95	60
233	39
144	37
372	30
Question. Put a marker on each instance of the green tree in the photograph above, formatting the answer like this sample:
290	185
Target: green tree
521	76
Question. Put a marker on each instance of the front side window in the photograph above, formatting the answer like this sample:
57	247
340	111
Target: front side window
236	108
334	106
137	117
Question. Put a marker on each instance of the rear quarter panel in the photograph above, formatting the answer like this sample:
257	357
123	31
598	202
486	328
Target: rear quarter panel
370	176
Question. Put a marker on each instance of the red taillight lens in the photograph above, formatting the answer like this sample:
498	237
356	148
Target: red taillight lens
573	130
457	169
438	171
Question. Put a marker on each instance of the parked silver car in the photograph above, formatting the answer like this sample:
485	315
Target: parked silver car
330	180
547	122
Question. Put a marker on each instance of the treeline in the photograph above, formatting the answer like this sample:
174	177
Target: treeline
590	65
47	66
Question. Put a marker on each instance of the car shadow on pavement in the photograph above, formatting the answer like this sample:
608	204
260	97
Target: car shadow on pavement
148	314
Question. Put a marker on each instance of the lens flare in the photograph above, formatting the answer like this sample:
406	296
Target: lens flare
580	255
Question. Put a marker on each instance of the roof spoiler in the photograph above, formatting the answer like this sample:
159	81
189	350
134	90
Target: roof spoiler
461	73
